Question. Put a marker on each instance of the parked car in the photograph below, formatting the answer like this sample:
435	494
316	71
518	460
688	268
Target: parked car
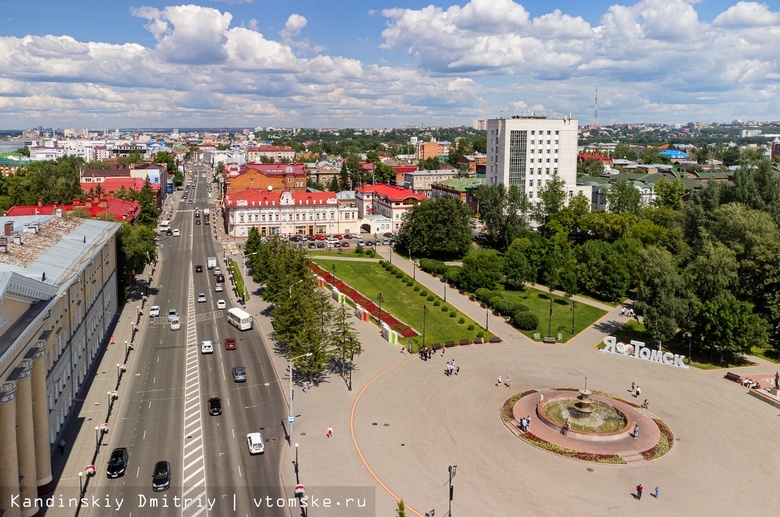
215	406
221	304
154	311
255	443
206	347
230	343
312	246
117	463
161	476
320	245
239	374
345	245
176	233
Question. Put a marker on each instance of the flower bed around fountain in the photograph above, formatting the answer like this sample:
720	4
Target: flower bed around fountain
555	409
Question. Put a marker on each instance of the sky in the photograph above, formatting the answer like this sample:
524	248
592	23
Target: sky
385	63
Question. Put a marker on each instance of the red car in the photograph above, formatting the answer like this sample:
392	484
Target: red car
345	245
339	237
230	343
320	237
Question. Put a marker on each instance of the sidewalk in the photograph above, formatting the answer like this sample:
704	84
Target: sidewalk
84	444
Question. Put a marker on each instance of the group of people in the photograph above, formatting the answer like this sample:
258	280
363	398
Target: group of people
450	368
636	390
507	382
566	427
749	383
640	489
627	311
426	353
525	424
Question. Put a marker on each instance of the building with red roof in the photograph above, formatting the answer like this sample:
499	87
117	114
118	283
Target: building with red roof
121	209
112	185
288	213
261	176
384	201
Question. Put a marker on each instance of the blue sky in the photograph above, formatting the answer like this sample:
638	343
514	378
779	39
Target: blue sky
319	63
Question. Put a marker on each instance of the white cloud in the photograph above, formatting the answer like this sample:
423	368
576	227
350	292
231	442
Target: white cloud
747	14
293	26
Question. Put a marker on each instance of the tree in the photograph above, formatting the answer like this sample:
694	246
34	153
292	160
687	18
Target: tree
253	241
669	193
714	271
624	152
728	327
343	337
400	510
518	268
600	271
590	167
731	156
503	211
662	297
481	268
135	247
552	199
437	228
757	186
431	163
623	197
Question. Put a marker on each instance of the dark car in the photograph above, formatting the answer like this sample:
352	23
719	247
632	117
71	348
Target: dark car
312	246
220	279
169	232
197	221
161	476
320	245
215	406
198	268
117	463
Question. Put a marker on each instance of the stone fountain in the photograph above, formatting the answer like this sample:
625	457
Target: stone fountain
584	403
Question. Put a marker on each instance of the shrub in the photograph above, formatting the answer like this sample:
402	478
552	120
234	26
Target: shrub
436	303
370	253
409	282
444	308
495	300
470	327
480	334
453	314
483	294
359	249
433	266
520	308
525	320
423	293
383	263
430	297
452	275
416	288
505	306
462	321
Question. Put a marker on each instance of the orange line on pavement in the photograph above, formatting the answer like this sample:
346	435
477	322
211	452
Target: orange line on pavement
357	447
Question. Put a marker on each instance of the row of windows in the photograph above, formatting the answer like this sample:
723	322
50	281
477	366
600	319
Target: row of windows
274	217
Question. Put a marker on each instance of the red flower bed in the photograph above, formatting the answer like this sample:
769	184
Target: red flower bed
403	329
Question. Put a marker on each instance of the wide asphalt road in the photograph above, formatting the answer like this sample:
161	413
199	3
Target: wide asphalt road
163	414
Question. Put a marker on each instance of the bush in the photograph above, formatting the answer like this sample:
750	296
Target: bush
462	321
505	306
495	300
423	293
444	308
436	303
470	327
409	282
359	249
525	320
433	266
370	253
416	288
480	334
452	275
520	308
453	314
430	297
483	295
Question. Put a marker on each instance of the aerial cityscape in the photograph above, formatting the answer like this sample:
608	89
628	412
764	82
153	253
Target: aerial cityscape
487	258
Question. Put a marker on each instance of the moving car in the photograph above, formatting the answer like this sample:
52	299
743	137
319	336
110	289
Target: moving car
198	268
206	347
221	304
217	270
239	374
169	232
161	476
201	297
176	233
173	313
154	311
117	463
175	324
230	343
197	221
215	406
255	443
218	287
220	278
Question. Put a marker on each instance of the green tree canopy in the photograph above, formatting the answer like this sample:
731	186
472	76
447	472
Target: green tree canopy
437	228
481	268
623	197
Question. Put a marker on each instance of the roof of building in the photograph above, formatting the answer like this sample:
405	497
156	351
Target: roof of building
390	192
279	169
674	154
121	209
461	184
267	148
114	184
261	197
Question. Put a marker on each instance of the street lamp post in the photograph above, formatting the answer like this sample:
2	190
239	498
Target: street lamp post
425	311
290	417
380	299
549	320
297	479
487	317
81	485
453	470
573	306
445	290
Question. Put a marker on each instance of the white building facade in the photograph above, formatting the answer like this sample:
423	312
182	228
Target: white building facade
528	151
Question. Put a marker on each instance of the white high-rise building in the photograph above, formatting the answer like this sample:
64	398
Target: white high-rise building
528	151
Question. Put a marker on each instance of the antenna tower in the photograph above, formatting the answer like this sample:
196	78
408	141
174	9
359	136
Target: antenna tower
596	114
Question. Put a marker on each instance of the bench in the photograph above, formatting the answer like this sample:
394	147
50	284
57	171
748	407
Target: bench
450	344
495	339
549	340
464	342
733	377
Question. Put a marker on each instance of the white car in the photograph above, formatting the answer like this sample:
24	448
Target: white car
217	270
176	233
206	347
255	443
218	288
221	304
173	314
154	311
175	324
201	297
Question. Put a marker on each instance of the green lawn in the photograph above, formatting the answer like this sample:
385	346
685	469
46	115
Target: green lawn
403	302
538	302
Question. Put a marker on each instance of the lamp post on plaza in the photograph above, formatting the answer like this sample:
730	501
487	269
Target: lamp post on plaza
81	484
380	299
290	417
297	480
453	470
445	290
425	311
487	317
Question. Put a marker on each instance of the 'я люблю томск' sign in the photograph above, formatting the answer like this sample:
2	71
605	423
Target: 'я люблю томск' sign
637	350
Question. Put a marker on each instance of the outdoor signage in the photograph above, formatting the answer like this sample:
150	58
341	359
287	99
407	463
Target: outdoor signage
637	350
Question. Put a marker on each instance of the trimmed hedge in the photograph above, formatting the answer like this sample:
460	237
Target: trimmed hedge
525	320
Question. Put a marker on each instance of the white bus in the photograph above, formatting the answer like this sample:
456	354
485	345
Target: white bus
240	319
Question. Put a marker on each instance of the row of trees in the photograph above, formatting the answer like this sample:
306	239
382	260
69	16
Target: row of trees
710	268
303	317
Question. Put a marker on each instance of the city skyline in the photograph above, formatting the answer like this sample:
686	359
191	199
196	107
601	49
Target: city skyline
404	63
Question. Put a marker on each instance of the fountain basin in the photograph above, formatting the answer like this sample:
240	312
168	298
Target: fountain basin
621	426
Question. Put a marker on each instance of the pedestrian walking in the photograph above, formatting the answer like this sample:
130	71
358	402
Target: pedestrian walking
527	422
457	369
306	385
61	445
655	492
636	431
638	392
508	382
330	432
639	489
498	383
633	388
